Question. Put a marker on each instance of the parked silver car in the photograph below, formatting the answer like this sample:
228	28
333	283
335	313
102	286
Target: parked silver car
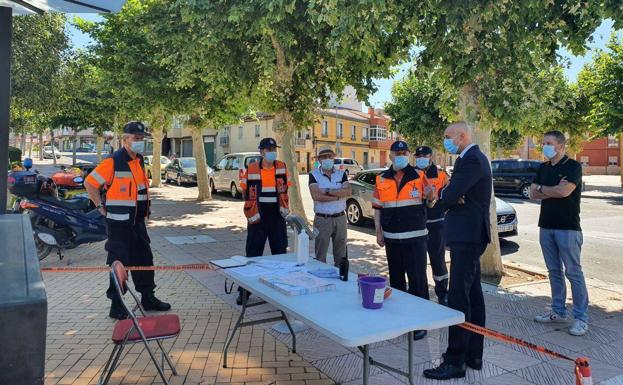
228	169
349	165
359	206
184	170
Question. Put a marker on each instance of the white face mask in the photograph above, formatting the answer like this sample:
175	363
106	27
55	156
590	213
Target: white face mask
137	147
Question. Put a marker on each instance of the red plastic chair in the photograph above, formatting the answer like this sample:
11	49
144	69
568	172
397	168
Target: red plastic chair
138	329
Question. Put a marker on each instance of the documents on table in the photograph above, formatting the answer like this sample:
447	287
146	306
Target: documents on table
297	283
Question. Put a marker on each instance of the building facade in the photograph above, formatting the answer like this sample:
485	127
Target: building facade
601	156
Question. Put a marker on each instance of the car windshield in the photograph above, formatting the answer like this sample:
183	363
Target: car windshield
187	163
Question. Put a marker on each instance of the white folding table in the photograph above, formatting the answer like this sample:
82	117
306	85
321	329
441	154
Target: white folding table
340	316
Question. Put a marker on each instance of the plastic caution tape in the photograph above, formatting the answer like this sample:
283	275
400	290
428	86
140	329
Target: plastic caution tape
582	369
91	269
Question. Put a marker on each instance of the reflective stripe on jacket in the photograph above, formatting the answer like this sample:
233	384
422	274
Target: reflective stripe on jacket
403	213
259	191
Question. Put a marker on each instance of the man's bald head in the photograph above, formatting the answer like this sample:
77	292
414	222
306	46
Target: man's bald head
461	134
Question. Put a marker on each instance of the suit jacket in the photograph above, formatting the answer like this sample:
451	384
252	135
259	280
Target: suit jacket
471	180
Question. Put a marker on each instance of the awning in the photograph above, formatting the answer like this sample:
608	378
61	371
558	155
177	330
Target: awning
29	7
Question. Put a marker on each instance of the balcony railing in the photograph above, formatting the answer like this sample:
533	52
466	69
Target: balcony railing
300	142
353	137
224	141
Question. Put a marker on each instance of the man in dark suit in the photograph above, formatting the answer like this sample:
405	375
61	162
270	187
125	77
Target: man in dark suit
466	198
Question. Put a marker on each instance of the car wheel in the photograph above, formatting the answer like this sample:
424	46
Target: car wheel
212	187
525	191
234	191
178	180
354	214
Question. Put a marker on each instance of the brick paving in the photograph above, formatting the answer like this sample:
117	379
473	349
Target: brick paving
79	329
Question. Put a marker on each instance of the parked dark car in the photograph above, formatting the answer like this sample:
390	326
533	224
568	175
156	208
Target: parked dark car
184	170
359	206
514	176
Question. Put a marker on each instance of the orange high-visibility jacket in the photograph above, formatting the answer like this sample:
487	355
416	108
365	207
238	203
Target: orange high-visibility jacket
439	179
264	186
127	186
403	213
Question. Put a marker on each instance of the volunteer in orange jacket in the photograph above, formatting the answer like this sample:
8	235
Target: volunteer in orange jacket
265	190
126	188
436	242
400	222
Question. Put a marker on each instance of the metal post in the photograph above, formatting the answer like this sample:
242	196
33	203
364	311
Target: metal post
6	27
410	344
366	364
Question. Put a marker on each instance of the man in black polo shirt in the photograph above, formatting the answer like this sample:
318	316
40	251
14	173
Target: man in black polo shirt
558	185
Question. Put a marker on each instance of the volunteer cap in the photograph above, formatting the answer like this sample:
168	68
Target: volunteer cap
326	151
267	143
423	150
399	145
135	128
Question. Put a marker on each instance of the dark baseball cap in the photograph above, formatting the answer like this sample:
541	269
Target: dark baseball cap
423	150
267	143
135	128
399	145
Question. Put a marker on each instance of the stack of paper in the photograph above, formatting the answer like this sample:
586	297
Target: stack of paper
297	283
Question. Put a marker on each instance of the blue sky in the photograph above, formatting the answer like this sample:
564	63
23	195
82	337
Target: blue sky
600	38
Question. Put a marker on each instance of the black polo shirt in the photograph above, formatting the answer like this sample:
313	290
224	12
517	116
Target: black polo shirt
560	213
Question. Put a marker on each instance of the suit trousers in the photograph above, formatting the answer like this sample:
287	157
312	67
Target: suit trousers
408	258
466	296
129	244
436	245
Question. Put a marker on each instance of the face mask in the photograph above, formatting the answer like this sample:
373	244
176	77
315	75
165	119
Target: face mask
400	162
327	164
137	147
422	162
270	156
549	151
449	145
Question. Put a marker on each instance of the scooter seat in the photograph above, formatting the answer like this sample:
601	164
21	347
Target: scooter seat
77	204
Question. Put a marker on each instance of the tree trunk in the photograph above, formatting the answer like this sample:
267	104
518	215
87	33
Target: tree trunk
99	147
41	146
30	147
75	145
285	138
491	260
22	144
156	180
203	184
52	146
286	129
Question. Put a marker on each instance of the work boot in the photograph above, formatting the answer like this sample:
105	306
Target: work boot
150	302
117	311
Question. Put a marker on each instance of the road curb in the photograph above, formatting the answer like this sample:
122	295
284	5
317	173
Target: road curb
528	269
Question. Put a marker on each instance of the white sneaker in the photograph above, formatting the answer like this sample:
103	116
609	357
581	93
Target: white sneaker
579	328
549	318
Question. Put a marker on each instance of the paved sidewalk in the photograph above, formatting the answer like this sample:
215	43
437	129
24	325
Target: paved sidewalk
184	231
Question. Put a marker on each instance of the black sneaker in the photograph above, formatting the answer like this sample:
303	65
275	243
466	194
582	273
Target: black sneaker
150	302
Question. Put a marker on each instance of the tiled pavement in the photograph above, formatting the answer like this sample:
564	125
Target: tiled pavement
79	330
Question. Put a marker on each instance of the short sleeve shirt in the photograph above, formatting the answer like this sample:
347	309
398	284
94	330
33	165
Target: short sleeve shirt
560	213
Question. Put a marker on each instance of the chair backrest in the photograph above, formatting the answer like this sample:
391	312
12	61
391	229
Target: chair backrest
120	275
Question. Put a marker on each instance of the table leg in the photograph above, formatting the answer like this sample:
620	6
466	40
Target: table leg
285	318
366	364
410	345
233	332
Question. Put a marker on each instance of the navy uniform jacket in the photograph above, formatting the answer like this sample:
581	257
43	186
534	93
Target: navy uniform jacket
471	179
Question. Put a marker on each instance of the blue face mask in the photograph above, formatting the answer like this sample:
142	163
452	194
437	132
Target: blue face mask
549	151
400	162
137	147
327	164
270	156
422	162
449	145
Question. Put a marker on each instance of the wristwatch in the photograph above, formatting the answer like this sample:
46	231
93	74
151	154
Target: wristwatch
326	191
539	188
